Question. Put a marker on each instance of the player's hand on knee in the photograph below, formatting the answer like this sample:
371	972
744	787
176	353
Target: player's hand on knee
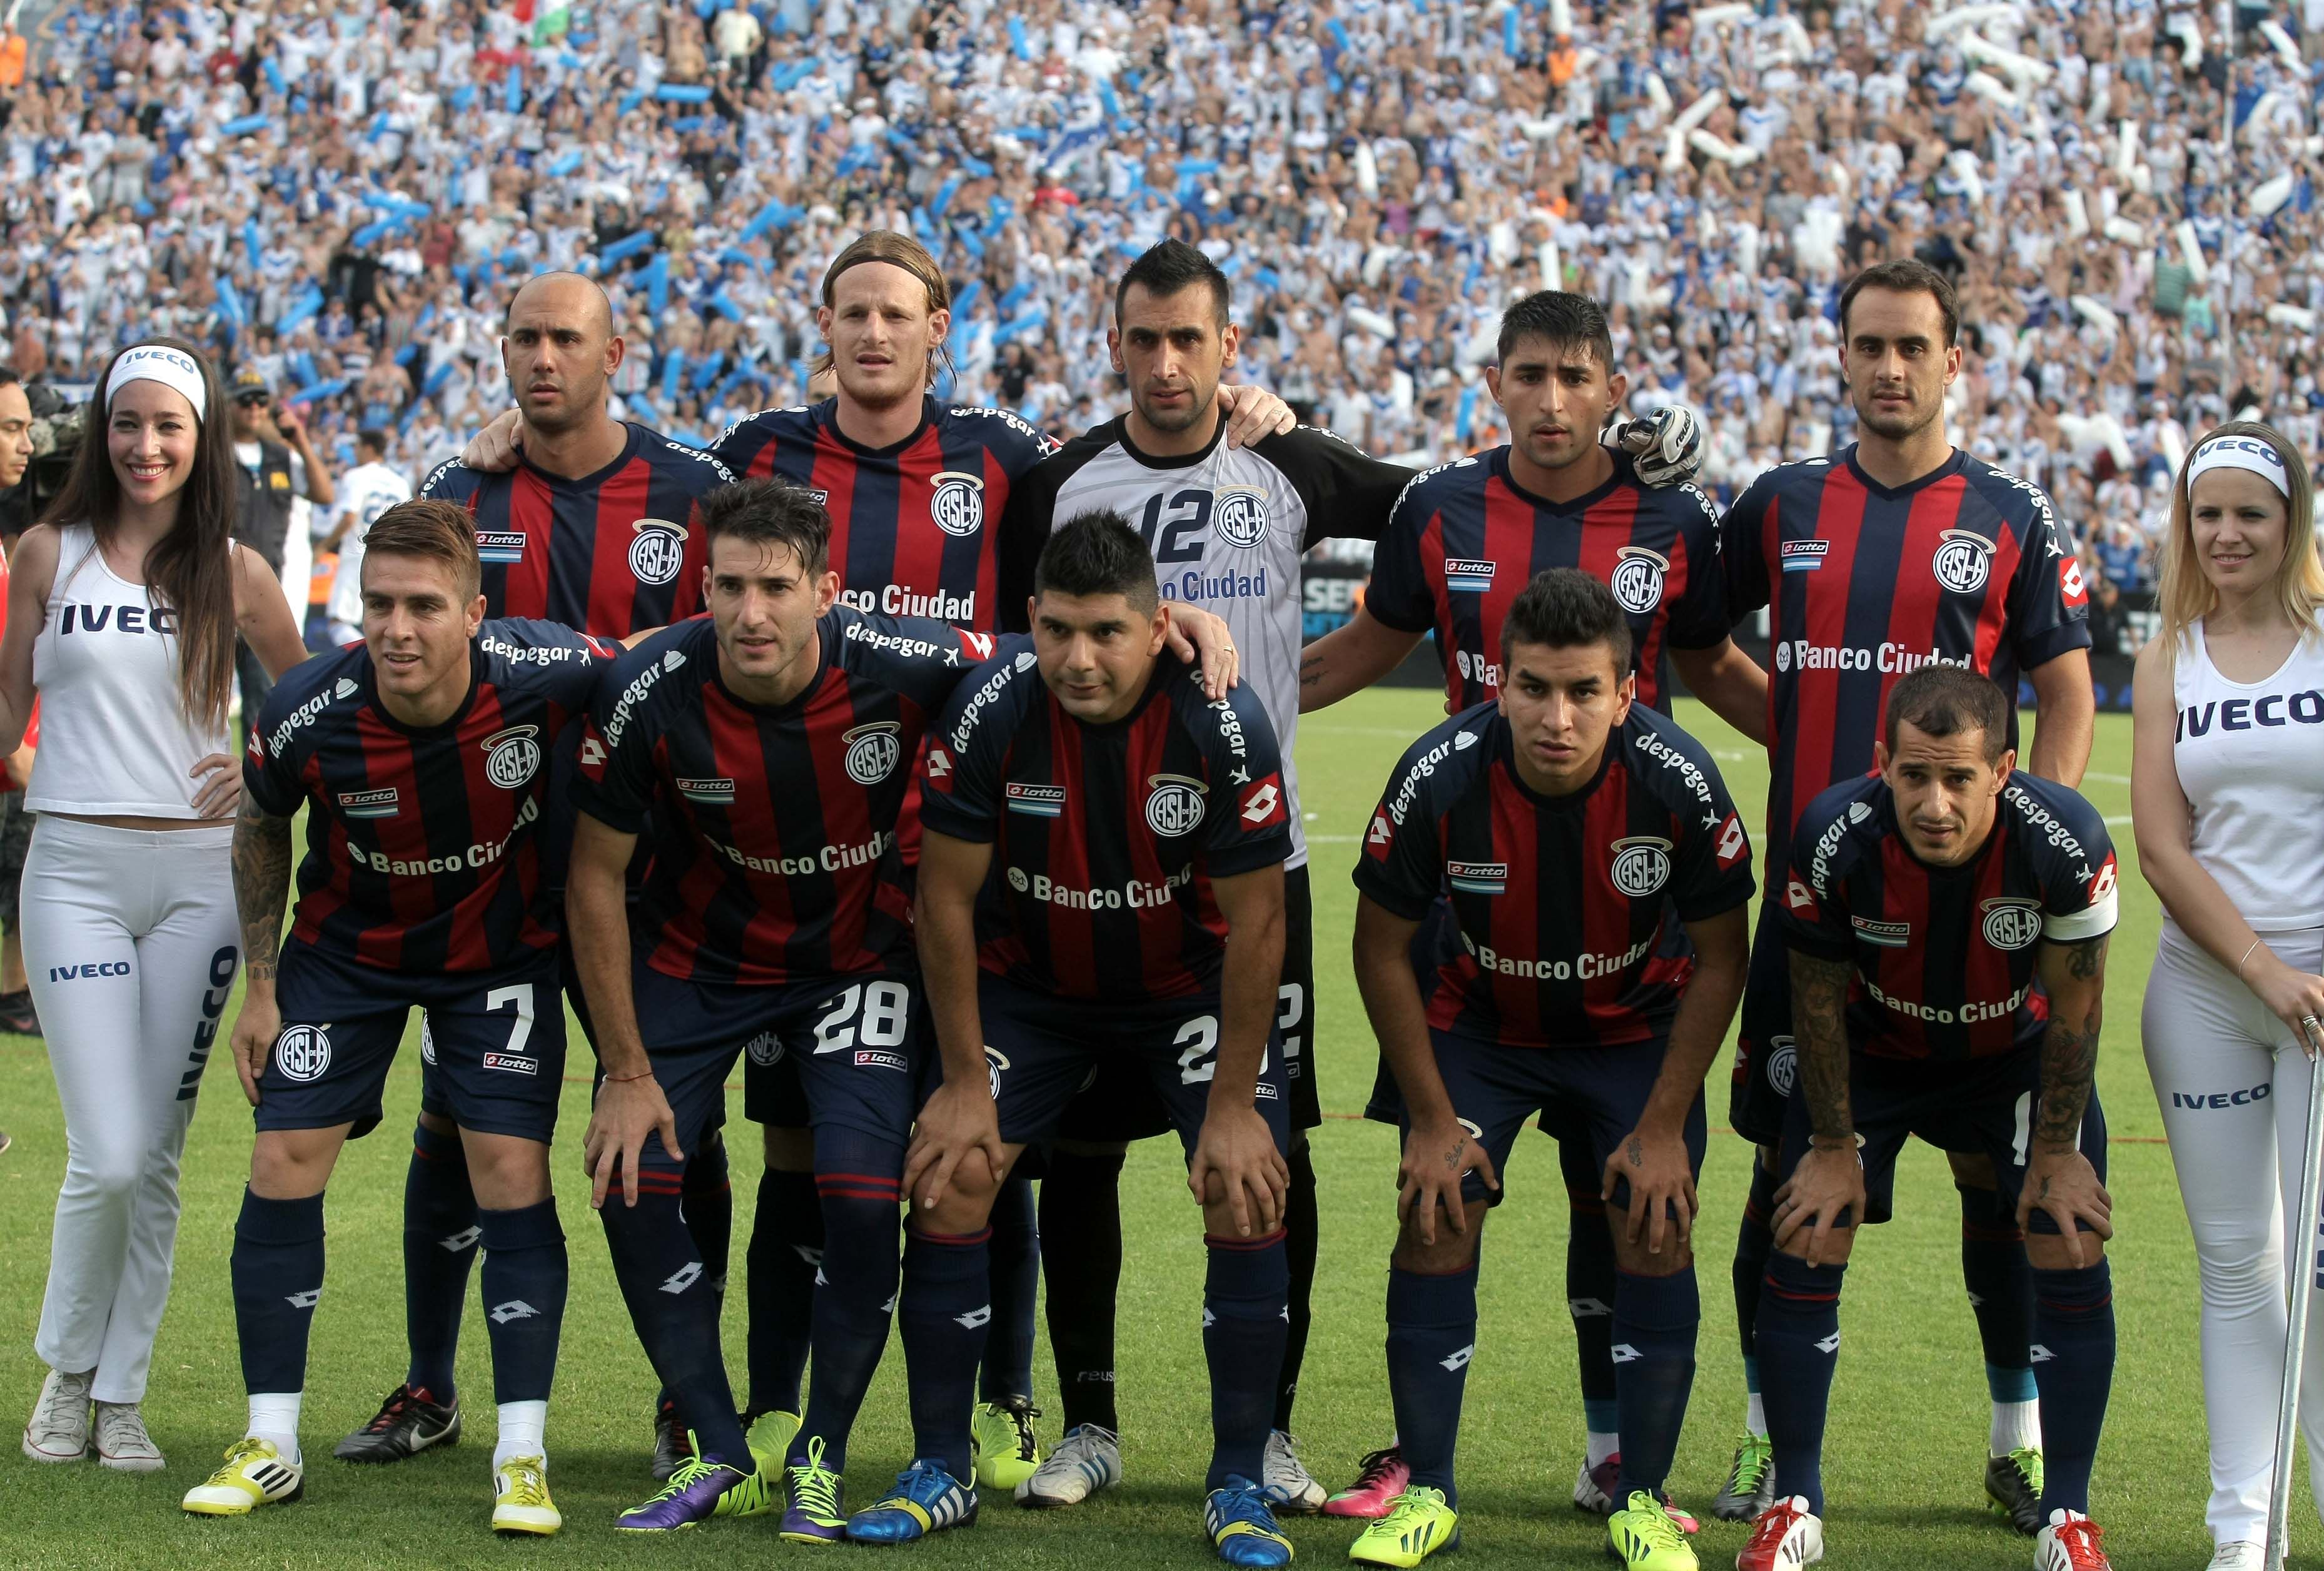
1253	413
2061	1182
958	1120
256	1027
627	1111
1661	1177
1828	1181
494	449
1237	1149
221	793
1435	1155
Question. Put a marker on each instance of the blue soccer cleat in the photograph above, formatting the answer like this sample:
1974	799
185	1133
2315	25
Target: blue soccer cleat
703	1487
926	1500
1242	1527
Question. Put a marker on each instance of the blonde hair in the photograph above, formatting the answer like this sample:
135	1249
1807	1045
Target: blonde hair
2184	597
896	249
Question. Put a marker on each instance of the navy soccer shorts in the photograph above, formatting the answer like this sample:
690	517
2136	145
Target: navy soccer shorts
1591	1096
491	1045
1968	1105
1767	1062
1043	1051
856	1049
1120	1106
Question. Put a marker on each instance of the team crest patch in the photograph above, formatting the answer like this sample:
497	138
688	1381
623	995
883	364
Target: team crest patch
1020	883
1040	801
2011	924
1240	516
710	790
512	756
427	1042
872	752
1638	578
1964	558
502	545
1478	877
1468	575
1642	864
1174	805
957	504
765	1048
346	688
1885	935
378	804
995	1065
1783	1064
302	1052
658	551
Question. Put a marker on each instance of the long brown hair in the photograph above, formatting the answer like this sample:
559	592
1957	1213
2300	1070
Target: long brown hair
190	570
2184	597
897	249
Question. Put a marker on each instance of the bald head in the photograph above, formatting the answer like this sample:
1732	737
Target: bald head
558	350
566	297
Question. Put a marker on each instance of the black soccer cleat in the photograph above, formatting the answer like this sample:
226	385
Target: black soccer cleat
408	1423
2014	1485
18	1017
672	1449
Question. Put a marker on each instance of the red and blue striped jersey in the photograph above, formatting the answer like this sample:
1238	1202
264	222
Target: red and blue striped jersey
1945	957
772	829
1863	584
1569	907
1105	837
1465	539
915	527
612	553
423	846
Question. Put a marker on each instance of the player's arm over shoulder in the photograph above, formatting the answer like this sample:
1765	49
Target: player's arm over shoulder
1349	493
961	769
920	656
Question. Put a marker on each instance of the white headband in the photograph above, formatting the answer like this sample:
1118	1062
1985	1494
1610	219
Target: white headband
172	368
2239	453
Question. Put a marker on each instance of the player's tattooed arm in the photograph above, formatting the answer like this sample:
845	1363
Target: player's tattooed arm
262	887
1820	1022
2074	976
1349	658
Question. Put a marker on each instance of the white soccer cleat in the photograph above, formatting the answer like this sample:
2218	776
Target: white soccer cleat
2243	1555
254	1474
59	1428
1086	1460
122	1442
2069	1543
1289	1486
1785	1535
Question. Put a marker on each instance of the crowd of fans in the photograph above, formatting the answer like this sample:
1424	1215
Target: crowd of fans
342	195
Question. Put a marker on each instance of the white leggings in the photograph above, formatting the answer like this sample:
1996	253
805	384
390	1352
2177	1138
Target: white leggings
130	940
2234	1090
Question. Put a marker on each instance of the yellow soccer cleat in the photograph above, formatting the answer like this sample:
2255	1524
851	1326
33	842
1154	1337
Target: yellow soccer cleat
1419	1523
521	1502
1001	1438
1644	1537
254	1474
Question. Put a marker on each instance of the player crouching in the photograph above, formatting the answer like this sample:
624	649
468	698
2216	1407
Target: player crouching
1569	824
420	758
1947	920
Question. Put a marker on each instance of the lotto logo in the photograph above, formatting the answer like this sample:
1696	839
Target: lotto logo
514	1309
939	764
981	1314
1733	845
1262	803
2071	585
1796	896
1458	1359
592	752
305	1300
685	1277
1380	836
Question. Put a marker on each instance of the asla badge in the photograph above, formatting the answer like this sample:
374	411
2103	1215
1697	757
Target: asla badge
1176	804
1642	864
874	751
2011	924
658	551
956	506
1638	578
512	756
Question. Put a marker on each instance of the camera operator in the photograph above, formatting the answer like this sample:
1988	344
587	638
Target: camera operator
277	465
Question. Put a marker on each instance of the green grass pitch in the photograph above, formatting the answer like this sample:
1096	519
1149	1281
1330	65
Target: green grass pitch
1903	1459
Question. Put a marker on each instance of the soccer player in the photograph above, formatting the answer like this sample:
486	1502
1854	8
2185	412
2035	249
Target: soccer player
420	758
595	530
1464	540
1574	827
1946	921
1899	551
1136	833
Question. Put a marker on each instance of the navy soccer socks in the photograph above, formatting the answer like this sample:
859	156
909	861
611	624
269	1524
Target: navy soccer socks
2074	1335
1245	1299
1432	1335
947	1309
1798	1336
1655	1322
440	1247
786	1249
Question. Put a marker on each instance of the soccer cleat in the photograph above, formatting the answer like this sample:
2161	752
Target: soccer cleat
926	1500
122	1442
2012	1484
1381	1477
670	1449
699	1490
254	1474
18	1017
816	1512
1001	1443
1750	1486
1644	1537
1785	1535
1416	1525
1593	1487
770	1436
2240	1555
1088	1459
2070	1542
521	1502
58	1430
408	1423
1241	1526
1286	1482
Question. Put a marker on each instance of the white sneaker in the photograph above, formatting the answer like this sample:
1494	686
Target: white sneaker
1086	1460
122	1442
59	1430
255	1475
2241	1556
1784	1536
2069	1543
1287	1485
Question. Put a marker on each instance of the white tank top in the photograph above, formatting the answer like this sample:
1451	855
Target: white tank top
2251	761
114	738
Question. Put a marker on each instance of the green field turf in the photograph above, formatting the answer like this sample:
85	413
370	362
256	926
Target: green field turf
1903	1459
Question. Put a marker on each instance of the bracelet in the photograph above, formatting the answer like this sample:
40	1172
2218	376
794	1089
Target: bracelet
2246	954
625	1079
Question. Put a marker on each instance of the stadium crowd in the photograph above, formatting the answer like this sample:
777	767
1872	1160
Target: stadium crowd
342	195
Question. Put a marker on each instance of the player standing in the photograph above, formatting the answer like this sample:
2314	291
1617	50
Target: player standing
594	532
1464	540
420	758
1573	827
1899	551
1946	924
1137	832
